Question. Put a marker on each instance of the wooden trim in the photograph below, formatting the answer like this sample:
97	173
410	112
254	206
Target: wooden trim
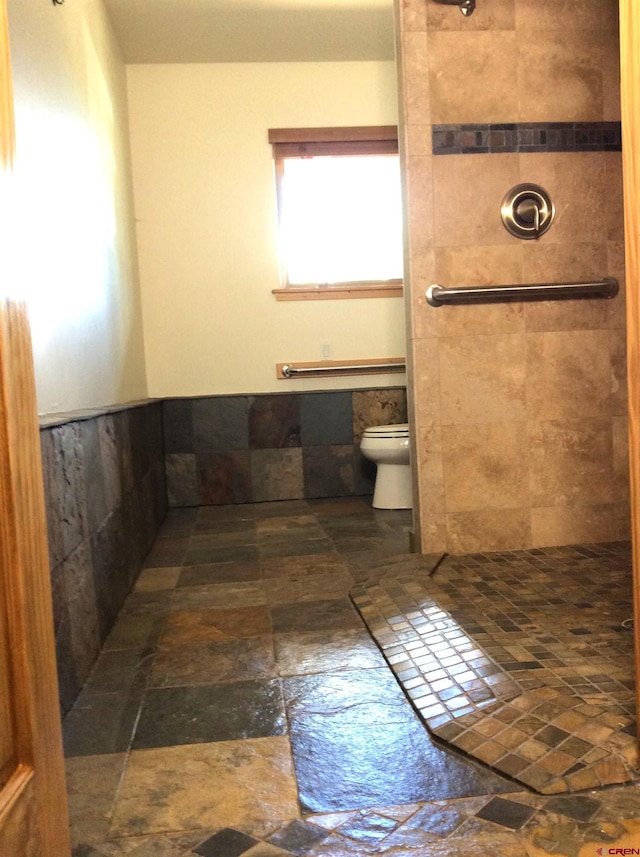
630	98
7	127
373	365
333	135
336	293
345	148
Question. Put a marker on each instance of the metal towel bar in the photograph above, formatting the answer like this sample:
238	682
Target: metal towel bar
289	370
438	295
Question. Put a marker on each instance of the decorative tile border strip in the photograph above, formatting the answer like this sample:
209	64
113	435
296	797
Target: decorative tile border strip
522	137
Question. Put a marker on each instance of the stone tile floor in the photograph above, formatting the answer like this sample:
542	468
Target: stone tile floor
241	707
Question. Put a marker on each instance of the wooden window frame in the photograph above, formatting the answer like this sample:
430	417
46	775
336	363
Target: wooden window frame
354	140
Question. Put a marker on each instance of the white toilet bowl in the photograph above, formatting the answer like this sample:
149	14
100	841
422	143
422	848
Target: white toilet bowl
388	448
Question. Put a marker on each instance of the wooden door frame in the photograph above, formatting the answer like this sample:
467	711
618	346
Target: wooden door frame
630	104
34	818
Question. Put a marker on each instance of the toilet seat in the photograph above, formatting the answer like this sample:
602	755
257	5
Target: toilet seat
394	431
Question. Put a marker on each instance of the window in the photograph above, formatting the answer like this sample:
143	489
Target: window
339	212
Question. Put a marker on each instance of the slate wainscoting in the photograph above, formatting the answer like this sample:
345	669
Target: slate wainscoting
289	446
105	498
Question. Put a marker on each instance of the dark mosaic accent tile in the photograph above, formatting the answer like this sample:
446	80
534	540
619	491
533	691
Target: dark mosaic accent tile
220	424
506	813
274	422
326	419
226	712
328	471
527	137
299	837
177	421
224	477
226	843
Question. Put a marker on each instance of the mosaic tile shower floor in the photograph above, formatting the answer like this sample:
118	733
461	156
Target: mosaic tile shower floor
241	707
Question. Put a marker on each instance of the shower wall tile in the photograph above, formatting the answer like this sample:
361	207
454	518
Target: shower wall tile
220	423
468	192
571	460
486	466
419	188
277	474
274	422
555	59
489	15
105	499
569	375
619	391
488	530
565	525
414	82
593	16
471	76
556	369
483	379
587	189
411	16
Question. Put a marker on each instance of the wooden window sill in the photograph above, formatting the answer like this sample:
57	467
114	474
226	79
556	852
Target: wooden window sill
333	293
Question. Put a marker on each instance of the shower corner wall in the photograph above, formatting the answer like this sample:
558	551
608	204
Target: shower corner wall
519	410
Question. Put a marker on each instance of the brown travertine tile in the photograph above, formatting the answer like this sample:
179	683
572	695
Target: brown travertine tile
569	375
224	784
488	529
456	182
483	379
460	66
419	190
495	16
560	525
415	83
586	188
485	466
479	266
590	17
377	408
571	460
563	63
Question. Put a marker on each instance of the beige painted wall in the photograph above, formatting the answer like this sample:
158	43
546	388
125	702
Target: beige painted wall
72	244
519	409
206	219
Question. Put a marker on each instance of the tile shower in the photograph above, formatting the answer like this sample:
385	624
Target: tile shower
520	409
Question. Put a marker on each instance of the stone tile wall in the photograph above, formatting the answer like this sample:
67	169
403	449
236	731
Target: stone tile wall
519	409
243	449
105	497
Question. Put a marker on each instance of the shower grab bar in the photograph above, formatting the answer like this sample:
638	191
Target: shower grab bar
438	295
288	370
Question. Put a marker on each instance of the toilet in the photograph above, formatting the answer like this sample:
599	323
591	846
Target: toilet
388	448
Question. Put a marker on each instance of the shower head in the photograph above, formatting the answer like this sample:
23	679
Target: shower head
465	6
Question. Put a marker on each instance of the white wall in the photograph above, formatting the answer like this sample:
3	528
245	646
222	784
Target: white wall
72	244
206	219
